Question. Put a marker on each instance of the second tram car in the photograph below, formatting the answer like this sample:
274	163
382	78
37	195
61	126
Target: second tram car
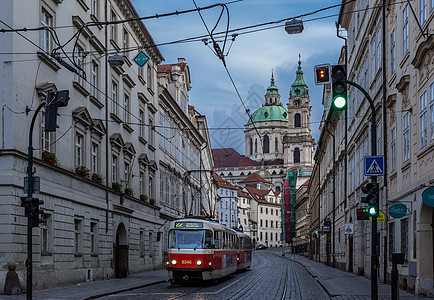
200	249
244	256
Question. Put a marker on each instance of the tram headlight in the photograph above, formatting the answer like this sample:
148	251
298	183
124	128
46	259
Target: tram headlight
199	262
174	262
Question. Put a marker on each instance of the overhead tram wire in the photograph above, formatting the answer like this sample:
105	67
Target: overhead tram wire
192	39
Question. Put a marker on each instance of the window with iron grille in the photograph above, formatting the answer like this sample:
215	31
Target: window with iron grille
405	30
406	136
423	120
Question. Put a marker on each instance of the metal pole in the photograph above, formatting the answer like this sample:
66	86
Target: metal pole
374	256
29	262
385	194
334	198
394	276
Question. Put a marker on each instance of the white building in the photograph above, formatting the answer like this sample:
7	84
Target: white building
227	202
244	212
265	210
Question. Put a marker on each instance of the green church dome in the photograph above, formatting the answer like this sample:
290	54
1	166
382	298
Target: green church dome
269	113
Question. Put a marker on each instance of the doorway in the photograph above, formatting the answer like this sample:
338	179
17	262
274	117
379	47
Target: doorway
120	253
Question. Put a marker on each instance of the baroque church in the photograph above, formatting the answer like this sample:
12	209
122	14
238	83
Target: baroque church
277	140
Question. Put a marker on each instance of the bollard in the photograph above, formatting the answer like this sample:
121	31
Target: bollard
397	258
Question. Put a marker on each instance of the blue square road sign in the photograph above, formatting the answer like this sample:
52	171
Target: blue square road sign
374	165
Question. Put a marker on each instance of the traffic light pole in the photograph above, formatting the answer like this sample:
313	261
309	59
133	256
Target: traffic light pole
30	195
374	256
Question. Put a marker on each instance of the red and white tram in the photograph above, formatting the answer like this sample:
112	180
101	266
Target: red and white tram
200	249
244	256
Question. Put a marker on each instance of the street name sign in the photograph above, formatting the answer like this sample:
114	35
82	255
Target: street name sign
36	185
325	228
374	165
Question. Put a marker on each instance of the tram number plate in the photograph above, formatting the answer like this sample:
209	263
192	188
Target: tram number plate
188	225
186	262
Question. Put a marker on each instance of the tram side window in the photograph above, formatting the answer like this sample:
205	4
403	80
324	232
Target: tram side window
217	236
208	240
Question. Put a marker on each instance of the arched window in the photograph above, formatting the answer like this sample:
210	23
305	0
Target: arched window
297	120
276	145
251	146
266	145
296	155
256	146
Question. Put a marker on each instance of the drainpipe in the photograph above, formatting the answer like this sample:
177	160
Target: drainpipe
106	123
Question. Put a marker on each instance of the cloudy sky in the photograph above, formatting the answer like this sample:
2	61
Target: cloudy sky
250	59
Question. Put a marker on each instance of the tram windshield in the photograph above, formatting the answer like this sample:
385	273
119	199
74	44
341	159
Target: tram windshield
190	239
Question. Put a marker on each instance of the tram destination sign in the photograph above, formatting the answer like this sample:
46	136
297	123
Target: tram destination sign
188	225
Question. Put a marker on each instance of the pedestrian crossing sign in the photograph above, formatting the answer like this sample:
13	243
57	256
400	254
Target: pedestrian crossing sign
374	165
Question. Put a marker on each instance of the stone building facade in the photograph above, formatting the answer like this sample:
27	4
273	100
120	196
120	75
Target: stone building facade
93	229
404	119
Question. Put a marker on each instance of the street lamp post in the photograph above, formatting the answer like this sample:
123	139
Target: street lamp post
374	256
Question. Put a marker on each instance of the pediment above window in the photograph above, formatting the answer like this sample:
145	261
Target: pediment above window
43	88
117	141
153	165
423	49
403	83
143	159
98	127
129	149
81	114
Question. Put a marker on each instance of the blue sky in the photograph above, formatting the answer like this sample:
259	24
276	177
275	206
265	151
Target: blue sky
250	59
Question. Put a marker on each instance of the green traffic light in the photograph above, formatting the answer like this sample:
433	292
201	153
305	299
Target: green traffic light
372	211
339	102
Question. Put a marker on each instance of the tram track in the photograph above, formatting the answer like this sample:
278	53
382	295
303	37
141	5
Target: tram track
248	289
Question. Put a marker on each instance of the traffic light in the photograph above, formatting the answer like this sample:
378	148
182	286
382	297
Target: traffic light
26	202
36	212
339	87
32	209
371	190
54	100
322	74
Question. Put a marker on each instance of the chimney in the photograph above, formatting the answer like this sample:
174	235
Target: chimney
181	60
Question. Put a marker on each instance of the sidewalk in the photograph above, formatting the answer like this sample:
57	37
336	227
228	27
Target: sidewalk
95	289
340	284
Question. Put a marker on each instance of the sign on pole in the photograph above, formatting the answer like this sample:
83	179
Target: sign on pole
374	165
381	217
